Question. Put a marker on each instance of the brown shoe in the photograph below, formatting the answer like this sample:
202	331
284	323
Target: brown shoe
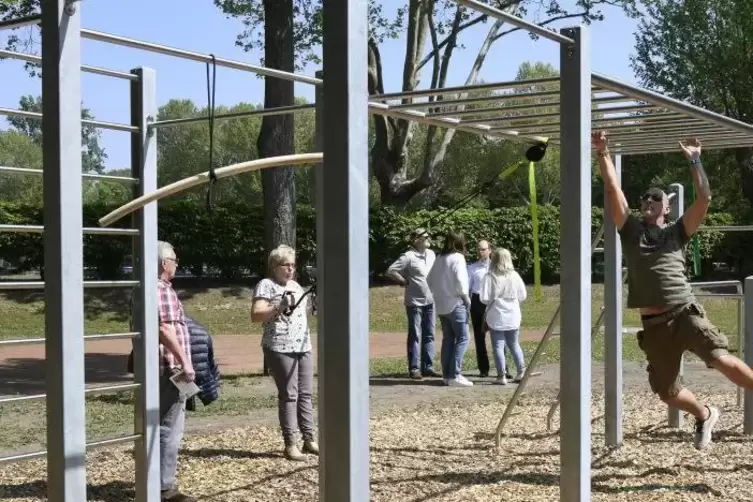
311	447
175	496
416	375
293	453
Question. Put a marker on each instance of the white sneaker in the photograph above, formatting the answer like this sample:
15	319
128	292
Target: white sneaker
460	381
501	380
519	377
703	428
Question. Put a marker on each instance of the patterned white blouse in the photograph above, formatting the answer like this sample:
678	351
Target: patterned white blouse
285	334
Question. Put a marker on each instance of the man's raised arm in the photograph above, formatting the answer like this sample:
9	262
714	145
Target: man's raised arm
695	214
618	206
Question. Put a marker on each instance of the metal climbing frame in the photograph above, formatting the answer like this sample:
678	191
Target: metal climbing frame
63	262
342	220
342	239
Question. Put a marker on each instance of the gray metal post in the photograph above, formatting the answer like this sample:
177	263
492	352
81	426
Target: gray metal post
612	324
575	284
145	317
748	316
342	252
674	419
63	251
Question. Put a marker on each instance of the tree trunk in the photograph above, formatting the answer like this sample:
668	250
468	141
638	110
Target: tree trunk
277	132
744	157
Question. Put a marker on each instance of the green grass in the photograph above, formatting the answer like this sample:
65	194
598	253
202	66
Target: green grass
225	311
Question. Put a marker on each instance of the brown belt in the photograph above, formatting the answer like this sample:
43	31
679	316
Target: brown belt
665	317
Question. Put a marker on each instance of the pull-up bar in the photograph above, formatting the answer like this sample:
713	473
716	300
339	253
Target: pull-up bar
516	21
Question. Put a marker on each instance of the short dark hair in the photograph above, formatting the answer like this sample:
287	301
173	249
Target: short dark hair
454	242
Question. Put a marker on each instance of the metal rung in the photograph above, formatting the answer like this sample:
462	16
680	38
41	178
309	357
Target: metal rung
115	440
719	295
30	58
12	24
90	391
38	229
99	177
87	284
726	228
94	444
23	456
105	336
94	123
266	112
716	284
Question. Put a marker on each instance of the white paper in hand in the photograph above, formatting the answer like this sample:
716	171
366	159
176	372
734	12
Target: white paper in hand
187	389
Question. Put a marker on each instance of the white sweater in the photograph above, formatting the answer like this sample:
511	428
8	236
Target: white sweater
503	297
448	281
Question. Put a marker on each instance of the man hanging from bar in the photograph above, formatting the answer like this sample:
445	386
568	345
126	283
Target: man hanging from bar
673	320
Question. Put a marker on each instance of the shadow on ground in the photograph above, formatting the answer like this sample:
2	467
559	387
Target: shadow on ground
26	376
116	491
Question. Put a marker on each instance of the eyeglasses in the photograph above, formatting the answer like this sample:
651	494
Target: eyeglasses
287	265
174	260
652	196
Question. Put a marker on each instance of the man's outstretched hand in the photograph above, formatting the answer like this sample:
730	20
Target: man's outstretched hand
599	141
691	148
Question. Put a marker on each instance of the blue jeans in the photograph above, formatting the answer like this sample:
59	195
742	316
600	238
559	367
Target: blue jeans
454	341
421	320
511	338
172	422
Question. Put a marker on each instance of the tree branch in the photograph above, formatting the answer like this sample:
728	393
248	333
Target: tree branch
431	164
435	50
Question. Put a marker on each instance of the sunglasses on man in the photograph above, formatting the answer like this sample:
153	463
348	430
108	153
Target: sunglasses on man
656	197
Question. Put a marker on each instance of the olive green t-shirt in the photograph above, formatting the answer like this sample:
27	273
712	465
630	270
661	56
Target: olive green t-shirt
655	259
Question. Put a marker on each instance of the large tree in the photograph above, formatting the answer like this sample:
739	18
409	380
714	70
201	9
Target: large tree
277	136
438	23
700	51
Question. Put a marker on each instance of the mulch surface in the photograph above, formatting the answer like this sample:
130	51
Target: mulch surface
444	452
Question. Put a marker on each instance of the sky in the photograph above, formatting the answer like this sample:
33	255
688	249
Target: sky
205	29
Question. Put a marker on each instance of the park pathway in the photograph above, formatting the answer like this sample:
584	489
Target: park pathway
22	367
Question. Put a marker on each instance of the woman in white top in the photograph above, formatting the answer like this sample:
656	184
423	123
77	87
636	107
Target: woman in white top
287	346
448	281
502	290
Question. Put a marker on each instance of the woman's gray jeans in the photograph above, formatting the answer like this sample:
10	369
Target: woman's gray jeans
293	374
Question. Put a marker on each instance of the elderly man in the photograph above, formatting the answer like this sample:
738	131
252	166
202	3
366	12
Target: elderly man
673	320
476	272
175	358
410	271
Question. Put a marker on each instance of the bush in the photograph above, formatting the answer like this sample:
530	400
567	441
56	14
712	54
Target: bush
229	242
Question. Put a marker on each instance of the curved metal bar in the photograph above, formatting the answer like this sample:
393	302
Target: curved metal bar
201	178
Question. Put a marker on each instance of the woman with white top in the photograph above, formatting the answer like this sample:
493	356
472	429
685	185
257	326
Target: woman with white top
287	346
502	290
448	281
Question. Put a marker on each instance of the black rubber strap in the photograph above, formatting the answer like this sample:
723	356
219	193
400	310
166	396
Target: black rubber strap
211	88
487	185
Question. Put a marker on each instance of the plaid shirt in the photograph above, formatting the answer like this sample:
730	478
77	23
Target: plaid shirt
171	312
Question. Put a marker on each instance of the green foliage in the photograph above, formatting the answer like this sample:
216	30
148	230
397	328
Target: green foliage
699	51
229	242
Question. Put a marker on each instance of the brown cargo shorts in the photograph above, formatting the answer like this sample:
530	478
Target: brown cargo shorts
665	337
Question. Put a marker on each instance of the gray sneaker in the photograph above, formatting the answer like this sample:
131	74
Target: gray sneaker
703	428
